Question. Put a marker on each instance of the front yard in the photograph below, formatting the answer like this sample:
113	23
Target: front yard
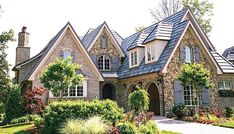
21	128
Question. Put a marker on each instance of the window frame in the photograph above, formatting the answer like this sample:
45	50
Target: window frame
103	39
150	53
224	85
84	85
133	58
190	95
188	53
104	64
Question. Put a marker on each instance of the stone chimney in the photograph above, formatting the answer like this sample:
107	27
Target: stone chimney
23	49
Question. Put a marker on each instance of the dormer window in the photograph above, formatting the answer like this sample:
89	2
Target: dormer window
103	41
188	54
133	58
104	63
150	53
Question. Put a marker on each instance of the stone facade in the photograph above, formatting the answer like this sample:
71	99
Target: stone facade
68	42
174	66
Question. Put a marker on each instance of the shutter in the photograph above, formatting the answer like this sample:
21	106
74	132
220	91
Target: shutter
61	54
178	93
197	54
115	63
73	56
205	96
182	54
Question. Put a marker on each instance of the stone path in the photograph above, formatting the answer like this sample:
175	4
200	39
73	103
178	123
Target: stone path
189	127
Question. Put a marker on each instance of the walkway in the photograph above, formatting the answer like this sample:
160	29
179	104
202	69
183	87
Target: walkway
189	127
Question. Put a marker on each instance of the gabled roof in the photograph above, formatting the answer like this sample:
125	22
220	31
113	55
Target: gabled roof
227	51
39	58
92	35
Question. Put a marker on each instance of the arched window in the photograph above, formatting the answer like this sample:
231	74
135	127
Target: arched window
103	41
104	63
188	54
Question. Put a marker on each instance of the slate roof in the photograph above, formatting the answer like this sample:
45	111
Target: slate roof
135	40
227	51
224	64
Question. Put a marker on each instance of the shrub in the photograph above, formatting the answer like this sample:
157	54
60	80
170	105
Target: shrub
57	113
32	103
127	128
94	125
27	118
38	122
149	127
13	106
180	110
228	111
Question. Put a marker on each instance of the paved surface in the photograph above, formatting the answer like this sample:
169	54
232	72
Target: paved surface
189	127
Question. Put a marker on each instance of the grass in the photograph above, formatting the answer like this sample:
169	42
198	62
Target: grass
228	124
16	128
168	132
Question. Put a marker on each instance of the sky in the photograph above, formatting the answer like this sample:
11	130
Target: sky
44	18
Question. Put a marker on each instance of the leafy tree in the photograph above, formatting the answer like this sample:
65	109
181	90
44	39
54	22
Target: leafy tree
60	75
140	28
202	9
198	76
13	106
5	37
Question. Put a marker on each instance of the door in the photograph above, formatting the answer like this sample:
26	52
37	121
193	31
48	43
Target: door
154	103
108	92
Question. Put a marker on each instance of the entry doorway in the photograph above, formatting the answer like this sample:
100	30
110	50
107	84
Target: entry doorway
154	101
108	91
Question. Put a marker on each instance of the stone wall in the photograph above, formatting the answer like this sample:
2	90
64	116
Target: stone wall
173	71
110	51
68	42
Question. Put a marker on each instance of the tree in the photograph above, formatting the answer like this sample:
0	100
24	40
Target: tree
140	28
197	76
202	10
60	75
5	37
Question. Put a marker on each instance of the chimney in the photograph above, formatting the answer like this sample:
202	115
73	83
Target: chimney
23	49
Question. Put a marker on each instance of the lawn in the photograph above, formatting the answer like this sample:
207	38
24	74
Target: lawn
168	132
229	124
16	128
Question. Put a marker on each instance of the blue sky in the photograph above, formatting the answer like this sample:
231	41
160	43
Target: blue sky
44	18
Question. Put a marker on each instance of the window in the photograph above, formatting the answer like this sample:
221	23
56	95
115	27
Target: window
133	58
66	54
150	53
190	95
188	54
104	63
103	41
224	85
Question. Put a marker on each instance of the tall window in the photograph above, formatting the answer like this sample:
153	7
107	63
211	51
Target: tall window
190	96
103	41
224	85
150	53
188	54
133	58
104	63
66	54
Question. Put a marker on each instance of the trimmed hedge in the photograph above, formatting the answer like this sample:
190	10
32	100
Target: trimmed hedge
57	113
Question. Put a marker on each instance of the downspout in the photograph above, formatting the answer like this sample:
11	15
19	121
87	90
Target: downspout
163	86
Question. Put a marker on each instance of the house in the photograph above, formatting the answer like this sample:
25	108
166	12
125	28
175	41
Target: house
113	66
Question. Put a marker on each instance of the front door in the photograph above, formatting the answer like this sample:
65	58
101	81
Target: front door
154	103
108	92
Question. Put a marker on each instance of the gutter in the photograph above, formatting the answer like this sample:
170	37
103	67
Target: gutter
163	98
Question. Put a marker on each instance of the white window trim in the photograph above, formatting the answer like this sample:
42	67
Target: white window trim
152	53
103	63
191	95
224	85
188	53
67	51
134	59
85	85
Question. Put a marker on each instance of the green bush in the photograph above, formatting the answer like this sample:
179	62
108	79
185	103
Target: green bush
180	110
27	118
38	121
228	111
127	128
13	106
20	120
149	127
57	113
94	125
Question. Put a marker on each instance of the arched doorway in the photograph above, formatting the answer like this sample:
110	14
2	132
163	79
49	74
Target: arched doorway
154	104
108	91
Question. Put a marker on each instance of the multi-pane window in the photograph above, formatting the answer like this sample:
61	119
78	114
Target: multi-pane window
150	53
133	58
74	91
190	96
224	85
103	41
188	54
104	63
66	54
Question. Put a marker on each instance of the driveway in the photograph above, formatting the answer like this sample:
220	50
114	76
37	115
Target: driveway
189	127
